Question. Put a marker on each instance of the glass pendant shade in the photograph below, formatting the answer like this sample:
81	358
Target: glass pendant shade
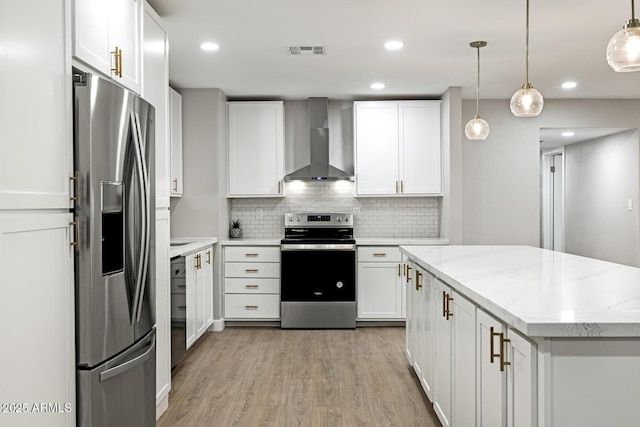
623	50
526	102
476	129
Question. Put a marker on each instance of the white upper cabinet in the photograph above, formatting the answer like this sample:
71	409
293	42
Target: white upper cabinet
398	148
155	81
36	156
256	149
175	101
107	36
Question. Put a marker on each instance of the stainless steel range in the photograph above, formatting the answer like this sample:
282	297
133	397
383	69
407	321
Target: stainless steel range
318	271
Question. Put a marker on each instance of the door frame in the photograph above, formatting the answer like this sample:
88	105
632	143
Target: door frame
547	231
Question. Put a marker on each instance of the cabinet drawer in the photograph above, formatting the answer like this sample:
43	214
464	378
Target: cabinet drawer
252	253
251	286
179	306
252	269
246	306
379	253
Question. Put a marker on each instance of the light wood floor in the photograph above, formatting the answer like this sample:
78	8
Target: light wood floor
272	377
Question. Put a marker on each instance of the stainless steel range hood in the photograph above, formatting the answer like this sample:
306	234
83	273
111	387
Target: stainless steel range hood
319	167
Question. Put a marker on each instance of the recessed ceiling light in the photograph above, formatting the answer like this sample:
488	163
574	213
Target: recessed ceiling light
394	45
377	86
567	133
569	85
209	46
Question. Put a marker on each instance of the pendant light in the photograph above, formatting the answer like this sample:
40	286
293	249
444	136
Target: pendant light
526	102
477	129
623	50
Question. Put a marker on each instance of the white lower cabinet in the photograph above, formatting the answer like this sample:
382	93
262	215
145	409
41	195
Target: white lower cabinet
199	292
252	283
380	288
475	370
37	315
506	385
163	308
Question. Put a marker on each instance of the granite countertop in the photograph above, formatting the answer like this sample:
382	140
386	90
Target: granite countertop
394	241
186	245
538	292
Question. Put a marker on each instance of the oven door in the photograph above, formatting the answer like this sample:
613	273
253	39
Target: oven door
318	273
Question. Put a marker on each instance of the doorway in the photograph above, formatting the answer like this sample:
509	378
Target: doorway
553	200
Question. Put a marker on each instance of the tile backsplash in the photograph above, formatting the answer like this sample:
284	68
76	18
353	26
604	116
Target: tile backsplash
400	217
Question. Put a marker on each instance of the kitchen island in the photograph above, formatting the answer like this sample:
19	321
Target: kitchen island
543	338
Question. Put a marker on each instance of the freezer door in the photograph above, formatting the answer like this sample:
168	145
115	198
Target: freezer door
114	211
122	391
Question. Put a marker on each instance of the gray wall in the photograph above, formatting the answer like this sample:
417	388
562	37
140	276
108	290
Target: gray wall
600	176
501	175
203	210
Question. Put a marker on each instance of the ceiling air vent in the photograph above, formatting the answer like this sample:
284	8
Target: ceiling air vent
306	50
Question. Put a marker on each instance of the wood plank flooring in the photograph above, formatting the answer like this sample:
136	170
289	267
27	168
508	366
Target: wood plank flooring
246	376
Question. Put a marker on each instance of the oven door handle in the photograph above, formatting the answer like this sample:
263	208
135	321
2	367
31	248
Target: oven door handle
318	247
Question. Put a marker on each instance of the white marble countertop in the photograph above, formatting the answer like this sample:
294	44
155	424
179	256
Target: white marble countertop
186	245
538	292
395	241
250	242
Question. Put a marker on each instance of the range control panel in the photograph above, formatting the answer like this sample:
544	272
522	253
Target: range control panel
307	219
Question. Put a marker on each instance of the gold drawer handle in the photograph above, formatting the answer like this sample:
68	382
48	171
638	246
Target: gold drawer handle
251	286
251	307
251	270
379	254
253	255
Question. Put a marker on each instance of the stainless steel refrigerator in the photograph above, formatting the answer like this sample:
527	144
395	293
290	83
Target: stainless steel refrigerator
115	254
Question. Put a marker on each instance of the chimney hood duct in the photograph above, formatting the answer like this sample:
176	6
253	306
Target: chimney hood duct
319	167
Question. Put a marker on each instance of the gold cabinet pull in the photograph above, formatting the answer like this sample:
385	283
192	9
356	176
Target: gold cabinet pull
175	184
444	304
492	352
408	274
503	350
251	255
251	270
449	298
379	254
399	275
279	186
208	257
251	307
402	186
418	276
198	262
252	286
397	187
117	53
75	197
76	228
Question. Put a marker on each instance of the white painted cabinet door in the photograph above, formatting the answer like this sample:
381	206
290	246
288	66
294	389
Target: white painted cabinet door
36	157
255	149
464	362
201	278
419	147
521	374
208	286
444	353
177	184
411	322
163	306
154	89
101	26
379	290
37	360
426	330
376	142
491	389
191	273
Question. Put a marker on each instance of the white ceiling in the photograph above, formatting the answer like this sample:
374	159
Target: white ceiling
553	137
567	42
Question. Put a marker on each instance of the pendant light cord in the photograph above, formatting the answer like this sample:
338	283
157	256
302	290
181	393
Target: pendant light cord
526	50
478	85
633	9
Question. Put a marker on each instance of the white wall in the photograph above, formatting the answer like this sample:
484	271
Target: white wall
600	177
501	175
203	209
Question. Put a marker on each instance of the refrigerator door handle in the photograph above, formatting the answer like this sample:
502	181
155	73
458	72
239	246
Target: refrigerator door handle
147	226
117	370
142	202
